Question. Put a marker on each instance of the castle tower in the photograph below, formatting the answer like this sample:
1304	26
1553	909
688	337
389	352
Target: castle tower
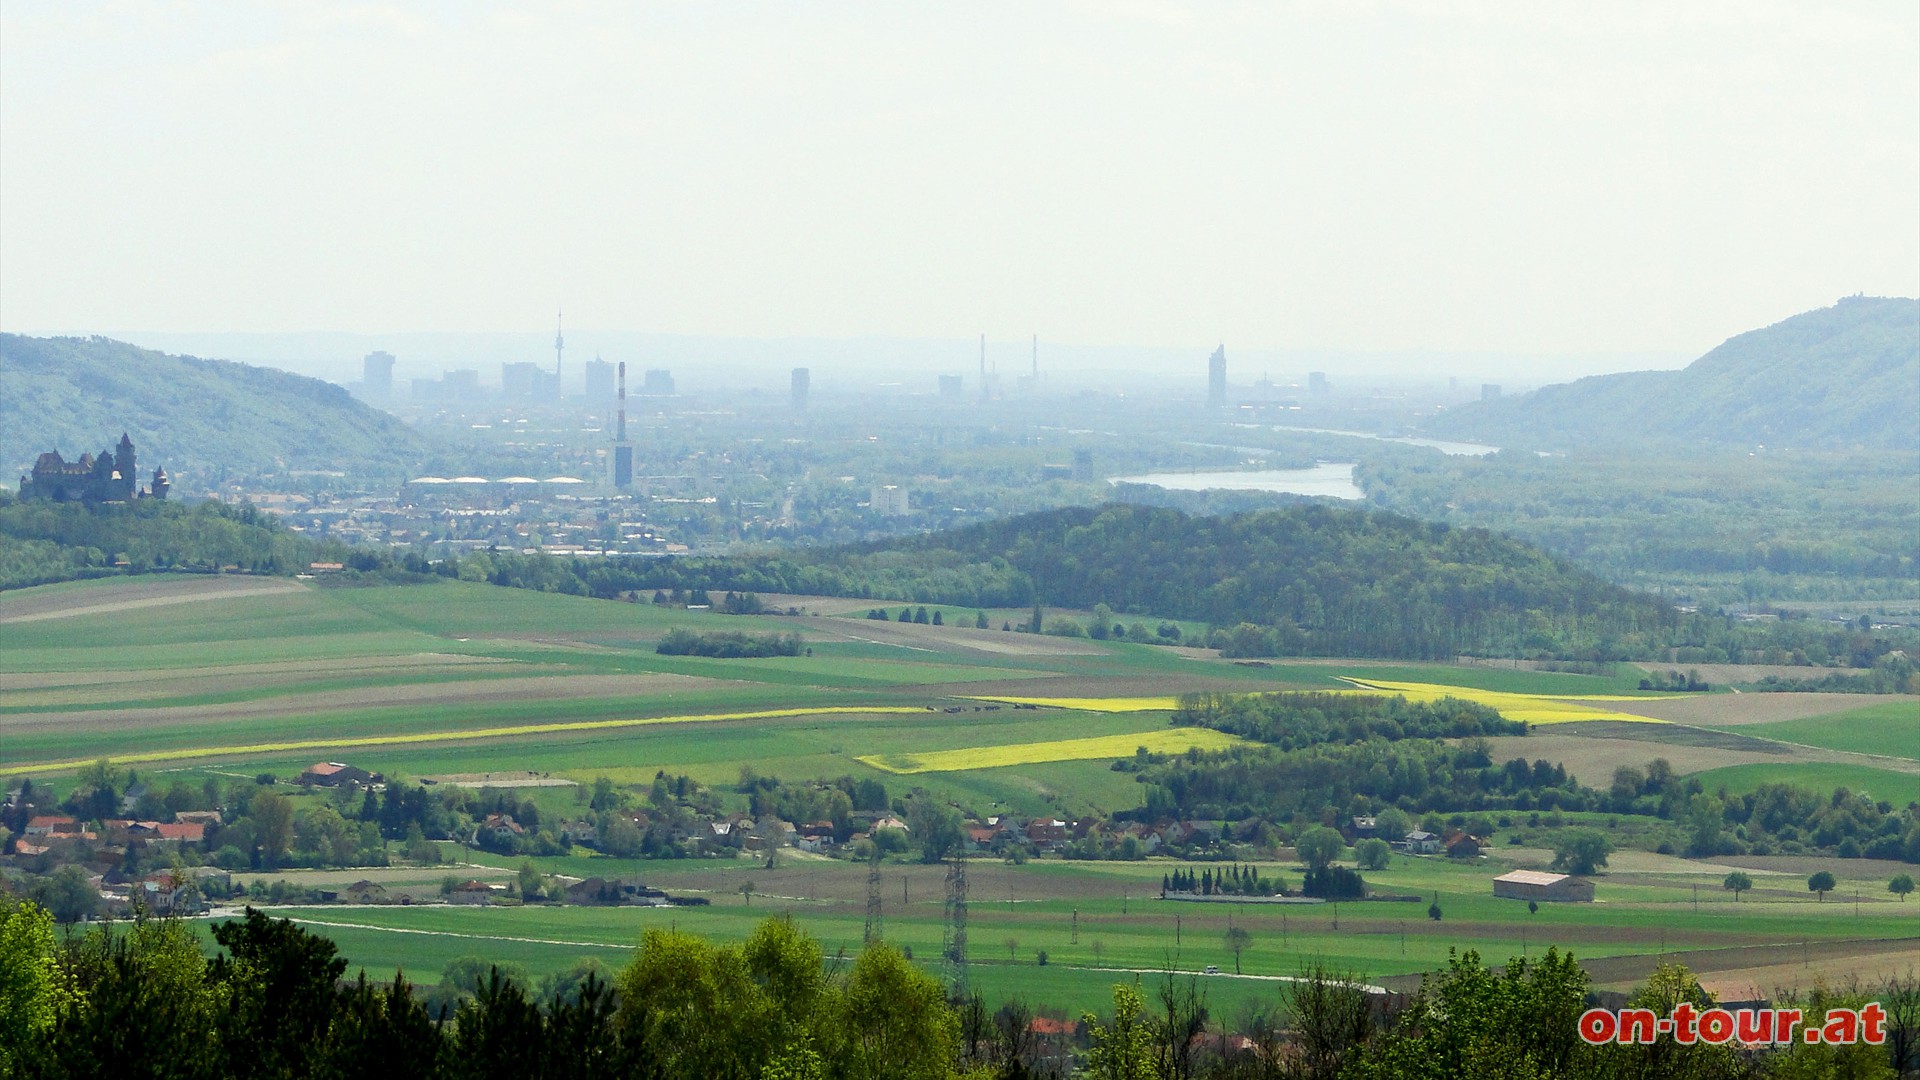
160	483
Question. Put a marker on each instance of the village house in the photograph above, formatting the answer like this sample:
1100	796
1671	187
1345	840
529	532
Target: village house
474	892
1544	887
1420	842
1462	845
613	891
365	892
336	774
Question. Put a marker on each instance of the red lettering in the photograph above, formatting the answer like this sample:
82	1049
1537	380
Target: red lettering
1756	1025
1683	1021
1598	1026
1875	1019
1842	1026
1716	1026
1638	1026
1784	1021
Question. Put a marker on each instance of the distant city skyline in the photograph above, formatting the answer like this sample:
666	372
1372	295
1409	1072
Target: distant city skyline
1504	179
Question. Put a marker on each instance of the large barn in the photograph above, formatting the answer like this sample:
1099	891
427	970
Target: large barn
1538	885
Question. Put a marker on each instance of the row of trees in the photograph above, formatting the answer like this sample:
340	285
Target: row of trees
1325	782
144	1000
1295	720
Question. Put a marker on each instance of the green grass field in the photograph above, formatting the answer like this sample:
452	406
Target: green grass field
221	682
1885	785
1890	728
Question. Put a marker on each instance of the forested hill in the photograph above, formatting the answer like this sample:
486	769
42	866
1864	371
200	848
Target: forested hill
1836	378
1320	579
202	419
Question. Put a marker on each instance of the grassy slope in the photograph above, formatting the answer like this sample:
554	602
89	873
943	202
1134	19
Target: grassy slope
1890	728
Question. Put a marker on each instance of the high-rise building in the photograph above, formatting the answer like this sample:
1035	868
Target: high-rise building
888	500
1083	466
658	382
376	376
801	377
1217	377
525	382
599	375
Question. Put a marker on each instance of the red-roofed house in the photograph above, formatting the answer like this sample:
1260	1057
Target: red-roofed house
52	825
334	774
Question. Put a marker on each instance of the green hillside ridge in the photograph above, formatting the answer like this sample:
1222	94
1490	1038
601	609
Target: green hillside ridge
205	421
1846	376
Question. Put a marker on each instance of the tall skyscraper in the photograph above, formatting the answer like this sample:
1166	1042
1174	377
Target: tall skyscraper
1217	377
801	377
599	375
376	376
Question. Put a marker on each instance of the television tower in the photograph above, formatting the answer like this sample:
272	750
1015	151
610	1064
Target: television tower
559	344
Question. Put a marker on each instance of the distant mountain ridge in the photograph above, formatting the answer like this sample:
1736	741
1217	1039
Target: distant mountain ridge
202	419
1846	376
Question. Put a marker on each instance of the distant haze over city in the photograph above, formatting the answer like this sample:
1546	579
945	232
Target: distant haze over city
702	363
1481	190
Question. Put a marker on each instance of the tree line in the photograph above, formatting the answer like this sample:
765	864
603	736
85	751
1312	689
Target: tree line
144	1000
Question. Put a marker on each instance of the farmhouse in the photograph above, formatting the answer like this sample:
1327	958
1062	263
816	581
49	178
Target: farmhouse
1538	885
1421	842
335	774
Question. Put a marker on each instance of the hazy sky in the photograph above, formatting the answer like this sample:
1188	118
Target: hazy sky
1592	177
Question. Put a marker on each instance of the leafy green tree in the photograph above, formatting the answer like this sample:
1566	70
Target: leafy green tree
68	893
1237	940
1900	886
272	816
1820	883
1469	1021
1319	846
280	983
33	987
891	1020
1102	624
1123	1048
1581	851
1373	853
935	826
1392	824
1737	883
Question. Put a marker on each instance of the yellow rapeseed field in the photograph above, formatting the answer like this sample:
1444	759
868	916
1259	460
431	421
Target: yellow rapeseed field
1532	708
440	736
1169	741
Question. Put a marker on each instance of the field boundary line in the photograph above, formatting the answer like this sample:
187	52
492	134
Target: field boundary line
456	934
414	738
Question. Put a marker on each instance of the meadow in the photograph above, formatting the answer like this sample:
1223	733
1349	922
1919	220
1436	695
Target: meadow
459	678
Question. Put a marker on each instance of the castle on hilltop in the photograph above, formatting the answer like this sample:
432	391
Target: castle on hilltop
107	478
